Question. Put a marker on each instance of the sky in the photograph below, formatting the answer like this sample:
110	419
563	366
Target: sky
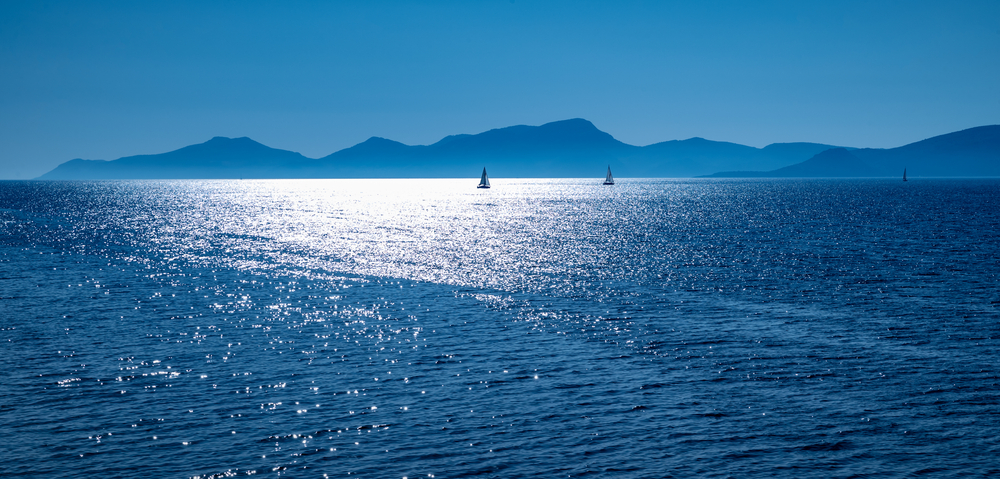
102	80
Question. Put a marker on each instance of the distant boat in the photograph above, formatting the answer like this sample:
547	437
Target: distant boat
904	174
484	182
610	180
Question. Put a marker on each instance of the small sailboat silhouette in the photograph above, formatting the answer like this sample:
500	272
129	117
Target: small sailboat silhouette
610	180
904	174
484	182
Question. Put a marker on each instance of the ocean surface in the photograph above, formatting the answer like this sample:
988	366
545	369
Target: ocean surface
547	328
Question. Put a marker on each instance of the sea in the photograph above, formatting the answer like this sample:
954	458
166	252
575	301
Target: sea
421	328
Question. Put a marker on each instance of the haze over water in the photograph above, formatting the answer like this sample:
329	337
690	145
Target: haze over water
424	328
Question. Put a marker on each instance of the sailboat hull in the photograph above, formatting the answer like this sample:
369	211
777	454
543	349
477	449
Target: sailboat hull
483	186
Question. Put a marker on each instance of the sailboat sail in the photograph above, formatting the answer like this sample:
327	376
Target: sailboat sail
904	174
484	182
610	180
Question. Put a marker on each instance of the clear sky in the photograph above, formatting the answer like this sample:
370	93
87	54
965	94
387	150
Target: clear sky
101	80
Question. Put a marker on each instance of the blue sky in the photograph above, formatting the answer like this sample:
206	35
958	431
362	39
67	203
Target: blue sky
102	80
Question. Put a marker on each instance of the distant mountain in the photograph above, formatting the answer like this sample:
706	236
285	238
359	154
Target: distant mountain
686	158
216	158
565	149
569	148
972	152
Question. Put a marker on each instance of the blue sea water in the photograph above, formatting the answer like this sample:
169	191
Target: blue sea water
552	328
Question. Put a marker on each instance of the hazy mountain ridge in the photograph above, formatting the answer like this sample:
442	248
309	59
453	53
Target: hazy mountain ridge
219	157
970	152
562	148
568	148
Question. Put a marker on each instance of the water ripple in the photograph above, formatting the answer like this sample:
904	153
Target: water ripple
660	328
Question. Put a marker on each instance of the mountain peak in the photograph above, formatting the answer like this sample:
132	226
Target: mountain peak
376	140
573	126
571	123
572	134
218	140
224	145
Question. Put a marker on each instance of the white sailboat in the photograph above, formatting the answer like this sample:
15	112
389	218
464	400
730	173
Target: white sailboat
610	180
484	182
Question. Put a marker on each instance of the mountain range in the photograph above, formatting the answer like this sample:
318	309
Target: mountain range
972	152
562	149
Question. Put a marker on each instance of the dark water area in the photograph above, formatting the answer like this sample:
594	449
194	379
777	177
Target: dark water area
551	328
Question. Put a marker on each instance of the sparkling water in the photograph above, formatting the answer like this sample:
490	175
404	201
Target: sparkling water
552	328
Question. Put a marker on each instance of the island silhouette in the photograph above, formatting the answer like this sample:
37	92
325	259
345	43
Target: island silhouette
974	152
563	149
